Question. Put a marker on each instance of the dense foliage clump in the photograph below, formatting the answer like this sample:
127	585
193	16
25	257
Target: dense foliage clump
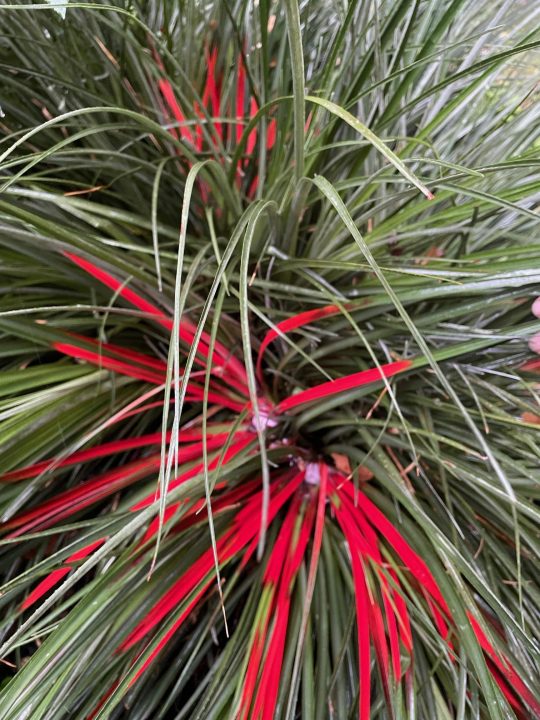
269	408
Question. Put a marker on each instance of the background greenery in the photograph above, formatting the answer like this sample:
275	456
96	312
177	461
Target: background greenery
89	164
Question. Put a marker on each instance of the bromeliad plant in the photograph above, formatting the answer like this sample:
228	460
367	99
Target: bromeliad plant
281	462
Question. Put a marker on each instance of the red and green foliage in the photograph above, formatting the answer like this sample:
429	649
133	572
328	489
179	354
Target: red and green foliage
268	446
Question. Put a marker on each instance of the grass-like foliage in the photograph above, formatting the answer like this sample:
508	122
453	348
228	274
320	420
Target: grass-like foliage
268	416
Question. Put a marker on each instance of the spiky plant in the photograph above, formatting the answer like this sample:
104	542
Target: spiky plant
268	416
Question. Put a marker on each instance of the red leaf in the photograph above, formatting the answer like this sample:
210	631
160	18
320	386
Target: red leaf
99	451
243	439
266	698
169	634
380	644
319	524
253	666
296	541
229	499
187	331
111	282
252	137
229	545
292	323
103	361
531	365
110	448
249	518
276	561
72	501
223	502
212	93
240	94
349	382
362	621
123	352
272	575
54	578
508	692
379	637
181	589
515	684
194	392
414	563
92	491
271	134
169	96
